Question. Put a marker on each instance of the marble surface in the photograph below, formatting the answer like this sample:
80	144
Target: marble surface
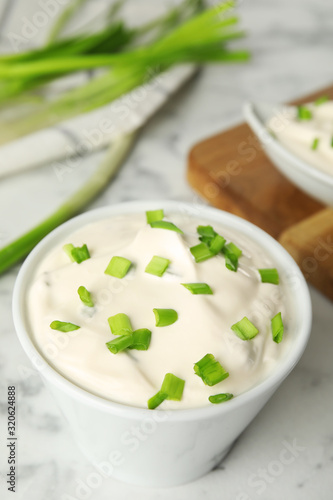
291	47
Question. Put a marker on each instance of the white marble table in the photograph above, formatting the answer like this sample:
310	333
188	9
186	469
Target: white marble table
291	44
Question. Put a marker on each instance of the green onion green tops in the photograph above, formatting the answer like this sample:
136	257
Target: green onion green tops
77	254
321	100
120	324
198	288
304	113
206	231
154	215
118	267
119	344
201	252
85	296
157	266
156	400
62	326
269	276
277	328
315	143
211	244
165	317
220	398
244	329
216	244
140	339
231	253
211	238
163	224
68	249
172	388
210	370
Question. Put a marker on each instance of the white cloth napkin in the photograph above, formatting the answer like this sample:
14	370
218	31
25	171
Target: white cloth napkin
94	130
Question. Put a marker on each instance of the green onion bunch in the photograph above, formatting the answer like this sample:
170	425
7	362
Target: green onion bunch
125	58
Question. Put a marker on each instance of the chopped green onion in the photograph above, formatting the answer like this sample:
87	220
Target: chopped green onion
321	100
118	267
68	249
85	296
304	113
173	386
220	398
269	276
172	389
332	142
216	244
277	328
62	326
157	266
201	252
156	400
154	215
165	317
210	370
140	339
206	240
206	231
211	238
77	254
163	224
315	143
244	329
198	288
120	324
231	253
119	344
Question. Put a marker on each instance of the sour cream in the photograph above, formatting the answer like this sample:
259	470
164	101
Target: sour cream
204	322
309	139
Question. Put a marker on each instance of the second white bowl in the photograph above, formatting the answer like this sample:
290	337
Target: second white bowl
310	179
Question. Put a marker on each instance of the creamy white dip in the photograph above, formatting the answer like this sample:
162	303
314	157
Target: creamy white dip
204	324
309	139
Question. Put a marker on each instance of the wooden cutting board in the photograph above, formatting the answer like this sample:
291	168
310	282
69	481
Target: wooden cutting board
233	173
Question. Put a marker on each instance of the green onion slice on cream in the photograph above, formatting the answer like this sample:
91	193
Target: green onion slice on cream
165	317
163	224
85	296
198	288
157	266
118	267
269	276
277	328
120	324
154	215
220	398
210	370
77	254
172	388
63	326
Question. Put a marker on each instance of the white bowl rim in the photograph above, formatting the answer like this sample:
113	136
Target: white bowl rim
260	129
206	412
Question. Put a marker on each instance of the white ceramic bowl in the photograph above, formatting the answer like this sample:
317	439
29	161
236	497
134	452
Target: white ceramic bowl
161	448
310	179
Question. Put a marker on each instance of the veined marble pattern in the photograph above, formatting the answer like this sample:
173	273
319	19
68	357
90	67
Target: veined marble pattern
291	43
